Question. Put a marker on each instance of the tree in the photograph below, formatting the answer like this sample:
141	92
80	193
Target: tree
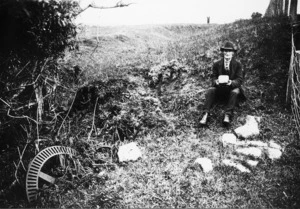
286	7
281	7
275	8
35	35
256	15
293	10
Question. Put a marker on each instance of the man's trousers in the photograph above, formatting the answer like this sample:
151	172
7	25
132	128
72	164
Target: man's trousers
223	93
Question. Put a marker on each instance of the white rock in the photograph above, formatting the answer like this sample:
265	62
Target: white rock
252	163
238	166
253	151
274	153
205	164
129	152
229	138
250	128
274	145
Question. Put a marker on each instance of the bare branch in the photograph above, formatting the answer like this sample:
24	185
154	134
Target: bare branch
22	69
93	125
118	4
94	5
67	114
5	102
20	117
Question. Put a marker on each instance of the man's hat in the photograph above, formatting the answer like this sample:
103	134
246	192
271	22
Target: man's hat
228	46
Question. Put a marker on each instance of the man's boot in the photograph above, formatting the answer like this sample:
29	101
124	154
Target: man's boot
226	120
204	119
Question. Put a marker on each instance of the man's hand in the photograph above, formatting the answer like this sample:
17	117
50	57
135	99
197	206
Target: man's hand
229	83
217	82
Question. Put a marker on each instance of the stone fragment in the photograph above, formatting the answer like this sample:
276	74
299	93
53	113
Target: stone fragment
257	143
253	151
252	163
273	153
129	152
205	164
274	145
250	128
229	138
238	166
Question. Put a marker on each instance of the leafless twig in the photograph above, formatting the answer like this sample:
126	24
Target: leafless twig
93	125
67	114
5	102
21	156
42	69
93	5
16	172
20	117
22	69
20	161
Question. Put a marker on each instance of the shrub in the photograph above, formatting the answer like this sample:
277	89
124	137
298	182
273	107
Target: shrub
256	15
35	35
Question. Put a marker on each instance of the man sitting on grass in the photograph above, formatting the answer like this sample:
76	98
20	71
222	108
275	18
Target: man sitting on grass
227	78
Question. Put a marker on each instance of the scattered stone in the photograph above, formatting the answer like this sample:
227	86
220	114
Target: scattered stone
229	138
238	166
250	128
273	153
257	143
253	151
274	145
129	152
205	164
252	163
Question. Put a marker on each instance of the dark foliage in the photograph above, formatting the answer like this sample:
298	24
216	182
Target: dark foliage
118	109
256	15
34	35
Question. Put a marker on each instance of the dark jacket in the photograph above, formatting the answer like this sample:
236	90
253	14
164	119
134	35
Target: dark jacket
236	74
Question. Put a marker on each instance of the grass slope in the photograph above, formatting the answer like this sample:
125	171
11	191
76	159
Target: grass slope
166	176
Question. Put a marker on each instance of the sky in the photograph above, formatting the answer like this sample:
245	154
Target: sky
172	12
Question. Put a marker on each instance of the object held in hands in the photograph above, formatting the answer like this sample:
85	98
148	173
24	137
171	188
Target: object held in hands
223	79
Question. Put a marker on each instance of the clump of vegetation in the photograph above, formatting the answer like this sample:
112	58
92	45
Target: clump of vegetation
256	15
117	110
167	73
88	191
35	36
34	41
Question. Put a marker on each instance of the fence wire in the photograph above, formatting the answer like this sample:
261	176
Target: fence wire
294	80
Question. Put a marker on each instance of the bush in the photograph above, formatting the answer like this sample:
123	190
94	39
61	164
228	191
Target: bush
115	110
35	34
256	15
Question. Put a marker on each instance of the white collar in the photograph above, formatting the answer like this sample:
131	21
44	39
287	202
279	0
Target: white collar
227	60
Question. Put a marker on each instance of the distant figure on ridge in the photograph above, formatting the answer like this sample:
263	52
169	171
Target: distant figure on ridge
227	78
208	20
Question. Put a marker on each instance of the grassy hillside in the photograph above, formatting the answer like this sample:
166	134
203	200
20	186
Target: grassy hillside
149	82
262	44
